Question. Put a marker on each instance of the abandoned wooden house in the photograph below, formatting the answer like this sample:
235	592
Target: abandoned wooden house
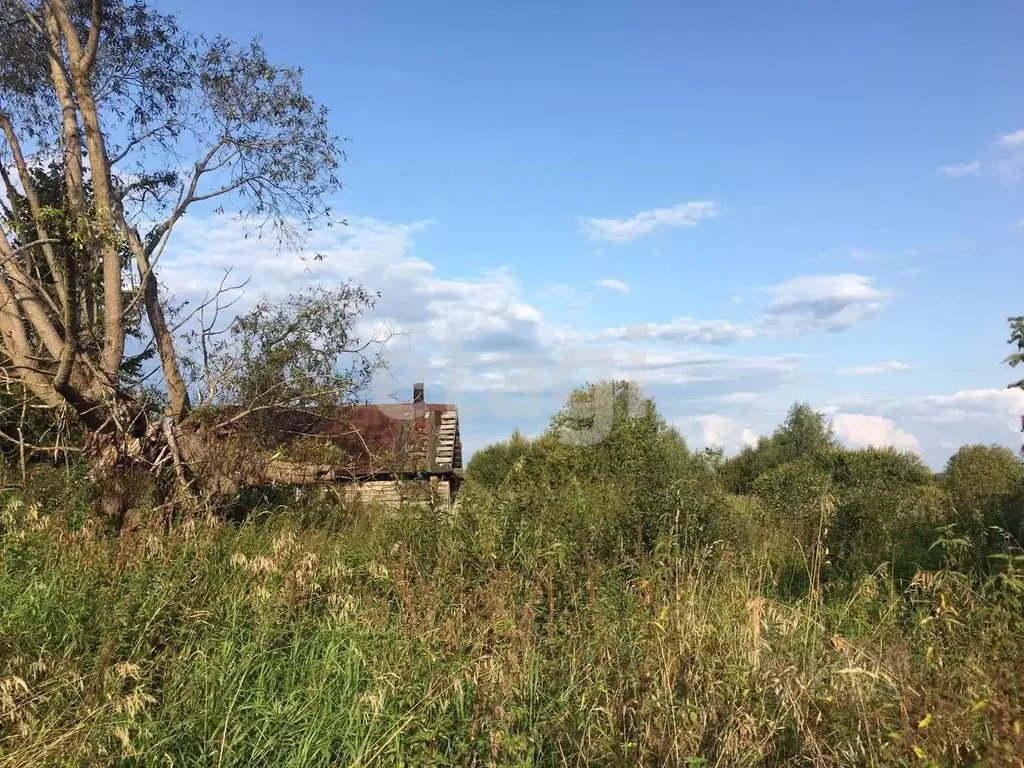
392	453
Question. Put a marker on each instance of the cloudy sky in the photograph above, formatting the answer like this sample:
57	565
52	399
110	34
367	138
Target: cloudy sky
736	204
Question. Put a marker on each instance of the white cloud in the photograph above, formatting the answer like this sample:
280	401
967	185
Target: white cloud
699	370
1019	224
890	366
958	170
737	397
723	432
824	302
645	222
613	285
1005	404
683	330
483	334
799	306
962	417
1010	156
862	430
479	341
453	318
1015	139
910	272
483	342
1002	158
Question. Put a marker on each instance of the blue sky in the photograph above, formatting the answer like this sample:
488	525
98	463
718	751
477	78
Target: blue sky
737	204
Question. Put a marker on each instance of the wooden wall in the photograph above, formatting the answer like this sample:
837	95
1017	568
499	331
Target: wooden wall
435	492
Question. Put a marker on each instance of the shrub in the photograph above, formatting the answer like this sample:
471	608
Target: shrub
606	493
793	495
804	433
888	510
878	465
866	508
608	604
468	639
490	466
986	485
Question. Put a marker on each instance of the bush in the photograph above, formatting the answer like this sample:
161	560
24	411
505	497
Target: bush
635	449
794	496
888	511
491	466
471	639
628	468
805	434
887	466
866	508
986	485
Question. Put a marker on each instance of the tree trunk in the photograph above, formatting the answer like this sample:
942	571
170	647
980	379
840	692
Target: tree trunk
146	467
127	456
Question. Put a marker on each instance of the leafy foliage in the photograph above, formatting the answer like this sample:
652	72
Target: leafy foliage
50	184
491	466
634	445
143	64
1017	338
318	635
986	486
299	352
803	433
142	121
1017	357
888	509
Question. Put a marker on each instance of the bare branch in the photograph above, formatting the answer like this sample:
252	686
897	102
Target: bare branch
33	244
185	199
135	141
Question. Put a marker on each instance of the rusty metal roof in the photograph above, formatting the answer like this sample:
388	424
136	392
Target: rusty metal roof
397	438
358	441
374	440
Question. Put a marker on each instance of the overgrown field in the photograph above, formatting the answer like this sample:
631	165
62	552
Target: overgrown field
562	614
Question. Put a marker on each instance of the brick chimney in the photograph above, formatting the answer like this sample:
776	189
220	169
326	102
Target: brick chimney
419	405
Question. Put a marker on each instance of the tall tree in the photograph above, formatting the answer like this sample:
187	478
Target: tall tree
144	122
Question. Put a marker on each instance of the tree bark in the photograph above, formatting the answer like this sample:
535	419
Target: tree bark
177	391
123	450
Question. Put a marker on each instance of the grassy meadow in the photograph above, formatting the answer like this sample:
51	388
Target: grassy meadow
630	603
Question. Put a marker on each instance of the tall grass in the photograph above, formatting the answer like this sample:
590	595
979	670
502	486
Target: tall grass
469	638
